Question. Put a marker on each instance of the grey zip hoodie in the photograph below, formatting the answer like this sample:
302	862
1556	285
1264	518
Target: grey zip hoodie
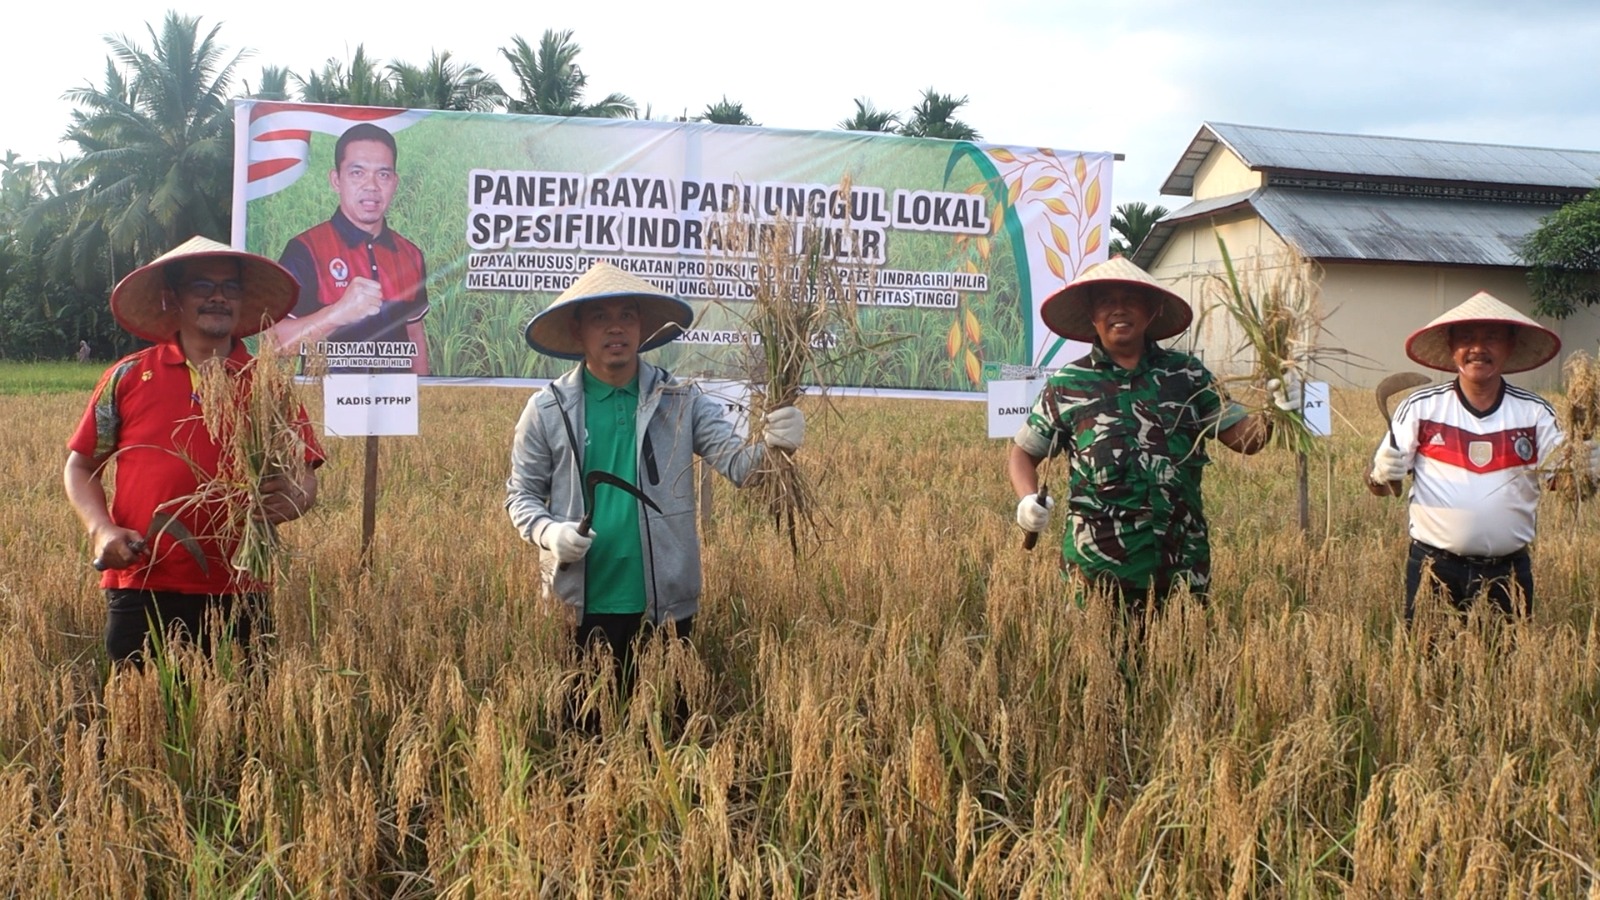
676	422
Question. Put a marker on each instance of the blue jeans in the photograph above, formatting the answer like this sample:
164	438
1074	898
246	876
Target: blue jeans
1507	581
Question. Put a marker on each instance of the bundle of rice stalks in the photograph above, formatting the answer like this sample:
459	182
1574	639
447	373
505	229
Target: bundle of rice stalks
799	323
1273	304
256	414
1580	417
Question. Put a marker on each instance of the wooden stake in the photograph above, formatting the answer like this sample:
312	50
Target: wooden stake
369	501
706	474
1301	482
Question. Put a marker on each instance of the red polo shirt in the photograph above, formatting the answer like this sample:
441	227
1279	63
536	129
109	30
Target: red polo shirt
324	259
145	418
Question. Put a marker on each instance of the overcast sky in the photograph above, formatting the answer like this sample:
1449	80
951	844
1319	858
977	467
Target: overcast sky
1135	78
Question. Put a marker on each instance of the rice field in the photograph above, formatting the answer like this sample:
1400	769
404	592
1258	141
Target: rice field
910	709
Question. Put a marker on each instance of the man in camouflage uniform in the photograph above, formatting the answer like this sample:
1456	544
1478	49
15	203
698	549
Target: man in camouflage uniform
1133	419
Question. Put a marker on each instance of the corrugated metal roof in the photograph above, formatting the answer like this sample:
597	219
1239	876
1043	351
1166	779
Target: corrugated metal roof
1161	232
1329	225
1386	158
1398	229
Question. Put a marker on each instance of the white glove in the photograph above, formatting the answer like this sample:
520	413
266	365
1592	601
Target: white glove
1032	515
1389	464
566	543
1289	393
785	428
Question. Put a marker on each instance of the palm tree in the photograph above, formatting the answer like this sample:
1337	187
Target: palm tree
869	118
363	85
551	83
157	152
274	84
934	118
1132	222
442	84
43	316
725	112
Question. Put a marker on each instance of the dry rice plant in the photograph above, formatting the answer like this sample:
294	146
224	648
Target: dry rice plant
919	711
1274	304
800	323
1580	416
256	414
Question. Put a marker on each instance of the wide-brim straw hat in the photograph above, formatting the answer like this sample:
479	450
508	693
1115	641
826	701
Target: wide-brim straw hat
1069	312
662	317
1536	344
140	303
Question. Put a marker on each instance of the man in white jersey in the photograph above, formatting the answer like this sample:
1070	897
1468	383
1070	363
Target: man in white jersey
1473	447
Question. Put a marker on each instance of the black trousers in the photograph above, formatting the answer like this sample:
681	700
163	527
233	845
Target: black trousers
136	618
621	633
1507	581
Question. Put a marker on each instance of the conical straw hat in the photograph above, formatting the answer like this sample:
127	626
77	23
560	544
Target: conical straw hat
139	301
1068	312
662	317
1535	344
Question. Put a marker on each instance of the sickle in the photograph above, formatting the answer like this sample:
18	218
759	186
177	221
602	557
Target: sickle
165	523
1043	494
1388	387
598	477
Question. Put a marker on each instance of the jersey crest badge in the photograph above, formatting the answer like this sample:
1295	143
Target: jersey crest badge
1480	452
339	269
1523	447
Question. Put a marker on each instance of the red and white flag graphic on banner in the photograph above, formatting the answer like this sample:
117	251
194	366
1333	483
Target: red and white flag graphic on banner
280	138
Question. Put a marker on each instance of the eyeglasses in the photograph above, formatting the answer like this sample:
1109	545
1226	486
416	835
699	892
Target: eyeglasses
205	289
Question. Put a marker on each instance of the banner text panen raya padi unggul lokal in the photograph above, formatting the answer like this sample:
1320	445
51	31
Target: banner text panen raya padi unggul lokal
472	222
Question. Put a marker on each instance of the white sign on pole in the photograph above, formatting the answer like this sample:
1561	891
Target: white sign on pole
361	405
1009	402
1317	408
735	399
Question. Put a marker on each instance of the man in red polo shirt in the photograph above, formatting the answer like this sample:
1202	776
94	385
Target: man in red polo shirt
363	288
166	557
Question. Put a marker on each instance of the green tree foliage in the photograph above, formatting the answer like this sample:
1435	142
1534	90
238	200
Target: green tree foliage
362	84
41	318
726	112
934	117
870	118
1132	223
551	83
156	146
274	84
1563	258
442	84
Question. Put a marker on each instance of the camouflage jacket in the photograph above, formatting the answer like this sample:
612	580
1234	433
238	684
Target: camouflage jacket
1135	444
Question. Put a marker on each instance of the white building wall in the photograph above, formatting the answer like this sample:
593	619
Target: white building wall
1368	309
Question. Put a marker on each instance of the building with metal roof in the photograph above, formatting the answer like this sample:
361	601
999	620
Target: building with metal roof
1400	229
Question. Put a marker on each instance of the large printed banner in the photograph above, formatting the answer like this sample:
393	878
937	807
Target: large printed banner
424	241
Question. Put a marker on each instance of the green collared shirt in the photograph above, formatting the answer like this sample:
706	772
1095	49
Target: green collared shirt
1135	442
614	574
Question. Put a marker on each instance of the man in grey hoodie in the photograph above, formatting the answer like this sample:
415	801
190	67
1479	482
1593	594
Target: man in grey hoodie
637	570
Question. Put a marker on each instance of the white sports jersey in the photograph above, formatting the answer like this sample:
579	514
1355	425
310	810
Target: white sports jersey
1475	481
